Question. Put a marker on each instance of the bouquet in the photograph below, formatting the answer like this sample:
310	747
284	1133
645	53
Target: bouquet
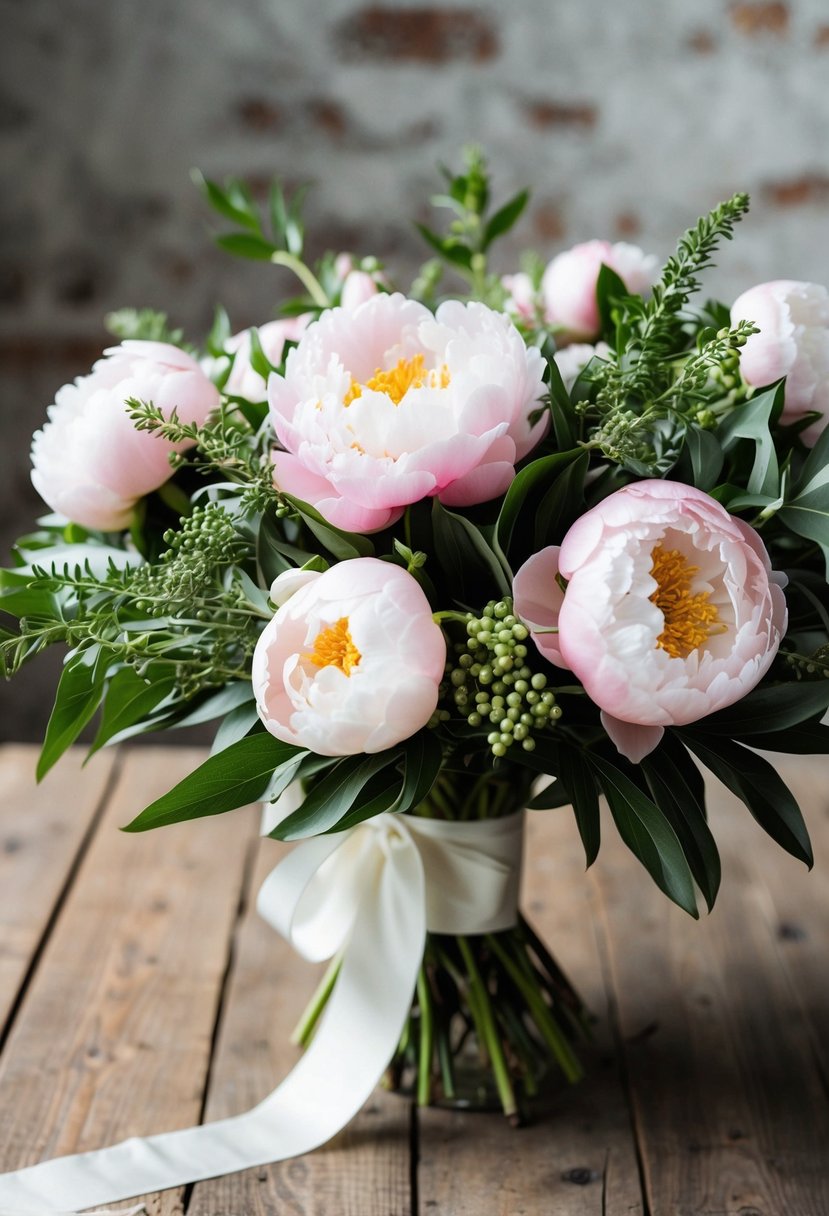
427	558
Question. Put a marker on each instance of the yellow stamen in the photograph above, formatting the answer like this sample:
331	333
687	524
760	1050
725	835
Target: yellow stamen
688	619
334	647
395	383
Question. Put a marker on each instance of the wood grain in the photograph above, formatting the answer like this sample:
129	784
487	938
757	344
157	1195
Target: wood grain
730	1111
114	1036
579	1157
365	1171
43	829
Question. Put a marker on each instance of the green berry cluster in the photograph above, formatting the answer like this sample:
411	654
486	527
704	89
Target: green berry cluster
206	544
491	681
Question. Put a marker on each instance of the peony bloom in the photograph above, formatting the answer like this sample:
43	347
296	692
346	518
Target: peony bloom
352	660
671	609
387	404
90	463
357	285
243	381
568	286
572	360
522	297
793	319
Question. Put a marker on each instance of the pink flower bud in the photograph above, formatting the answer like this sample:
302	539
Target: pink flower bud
568	286
793	319
90	463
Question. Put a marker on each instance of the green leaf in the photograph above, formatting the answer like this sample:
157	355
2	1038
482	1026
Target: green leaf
706	457
238	692
807	739
246	245
237	210
678	790
453	251
423	757
465	556
129	700
609	290
647	834
565	418
343	545
232	778
561	504
518	513
576	776
79	693
336	795
234	726
753	421
759	786
505	218
771	707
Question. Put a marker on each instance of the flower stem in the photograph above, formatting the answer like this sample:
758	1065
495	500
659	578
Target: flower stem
424	1066
306	1025
542	1016
309	280
487	1030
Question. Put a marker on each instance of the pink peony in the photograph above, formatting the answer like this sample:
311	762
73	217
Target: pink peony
522	297
90	463
243	381
568	287
793	319
671	609
352	660
387	404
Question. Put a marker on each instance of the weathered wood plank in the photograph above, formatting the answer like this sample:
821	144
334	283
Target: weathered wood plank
114	1036
730	1110
579	1158
365	1171
43	828
795	904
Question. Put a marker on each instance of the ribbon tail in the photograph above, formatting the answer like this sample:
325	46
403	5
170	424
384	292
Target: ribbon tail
356	1038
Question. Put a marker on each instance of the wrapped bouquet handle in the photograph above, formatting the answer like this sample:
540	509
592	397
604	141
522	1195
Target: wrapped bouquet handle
370	895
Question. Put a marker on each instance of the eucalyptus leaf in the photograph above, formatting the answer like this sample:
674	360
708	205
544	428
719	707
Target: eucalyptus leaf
465	556
79	693
130	699
647	833
336	794
753	421
232	778
678	789
757	784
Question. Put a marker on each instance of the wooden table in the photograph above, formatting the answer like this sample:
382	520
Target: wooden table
139	992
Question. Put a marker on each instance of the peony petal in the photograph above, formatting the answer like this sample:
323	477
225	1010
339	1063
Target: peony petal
632	741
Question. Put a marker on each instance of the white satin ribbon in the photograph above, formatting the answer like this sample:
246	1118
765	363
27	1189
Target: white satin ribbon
370	894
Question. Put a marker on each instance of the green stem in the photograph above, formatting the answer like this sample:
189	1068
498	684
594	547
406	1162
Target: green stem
309	280
488	1031
542	1016
424	1064
306	1025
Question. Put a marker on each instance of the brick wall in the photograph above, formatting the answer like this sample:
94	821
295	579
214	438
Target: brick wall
628	119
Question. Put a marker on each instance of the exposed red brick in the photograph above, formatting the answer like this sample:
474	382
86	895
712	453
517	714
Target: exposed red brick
798	191
258	115
627	223
702	42
548	221
761	17
821	38
545	113
328	116
422	35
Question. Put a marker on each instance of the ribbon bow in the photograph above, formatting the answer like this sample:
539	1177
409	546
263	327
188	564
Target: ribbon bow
369	894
